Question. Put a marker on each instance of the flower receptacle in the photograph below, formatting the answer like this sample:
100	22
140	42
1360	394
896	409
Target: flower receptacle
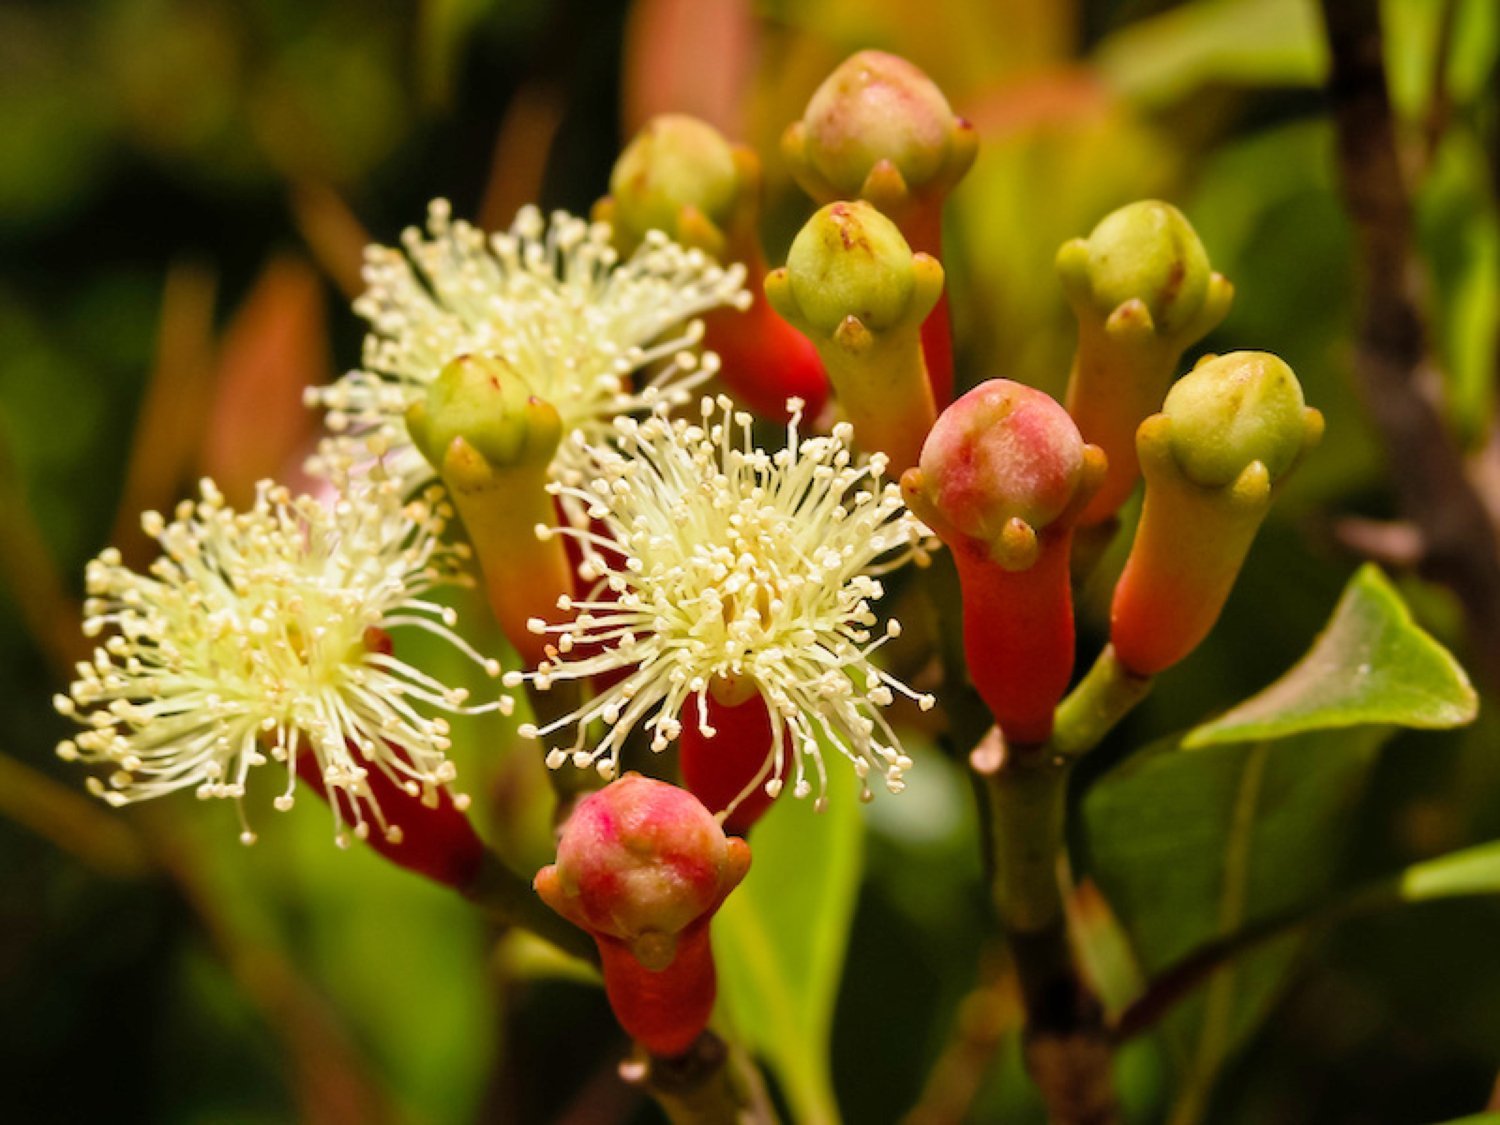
727	761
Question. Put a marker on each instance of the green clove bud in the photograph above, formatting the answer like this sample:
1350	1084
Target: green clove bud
1143	292
681	176
1230	432
492	441
853	285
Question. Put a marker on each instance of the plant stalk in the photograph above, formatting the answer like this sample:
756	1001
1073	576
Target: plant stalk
1095	707
1066	1046
712	1084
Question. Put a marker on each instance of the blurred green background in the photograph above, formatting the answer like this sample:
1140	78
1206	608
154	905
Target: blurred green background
185	186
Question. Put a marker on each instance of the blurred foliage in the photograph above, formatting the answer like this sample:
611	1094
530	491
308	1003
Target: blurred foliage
173	171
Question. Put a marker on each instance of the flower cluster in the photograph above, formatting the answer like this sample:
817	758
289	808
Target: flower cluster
552	300
265	633
727	563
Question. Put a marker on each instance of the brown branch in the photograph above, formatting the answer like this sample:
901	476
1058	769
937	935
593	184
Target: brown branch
712	1084
1399	382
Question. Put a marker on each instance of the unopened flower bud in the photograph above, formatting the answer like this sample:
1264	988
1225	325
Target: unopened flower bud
481	401
880	130
677	175
681	176
876	124
1229	433
1233	410
850	260
492	441
1143	291
643	867
1003	476
853	285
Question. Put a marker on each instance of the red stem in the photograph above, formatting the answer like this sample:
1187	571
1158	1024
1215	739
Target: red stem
1018	635
664	1011
438	842
765	360
717	770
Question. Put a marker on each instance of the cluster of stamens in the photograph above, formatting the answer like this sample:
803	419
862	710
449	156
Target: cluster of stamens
721	562
264	634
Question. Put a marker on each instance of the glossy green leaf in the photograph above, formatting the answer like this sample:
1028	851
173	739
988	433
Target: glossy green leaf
1191	847
779	941
1476	1119
1372	664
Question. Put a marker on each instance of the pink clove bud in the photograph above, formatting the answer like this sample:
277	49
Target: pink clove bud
1002	478
643	866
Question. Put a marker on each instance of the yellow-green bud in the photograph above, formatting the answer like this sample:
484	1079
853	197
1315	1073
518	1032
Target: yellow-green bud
850	260
482	400
675	163
1145	251
1232	410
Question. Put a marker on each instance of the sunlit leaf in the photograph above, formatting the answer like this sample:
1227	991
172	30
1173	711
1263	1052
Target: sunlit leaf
1371	665
1472	871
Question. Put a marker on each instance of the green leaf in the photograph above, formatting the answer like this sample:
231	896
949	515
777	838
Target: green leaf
1253	42
1476	1119
779	941
1472	871
1372	664
1192	847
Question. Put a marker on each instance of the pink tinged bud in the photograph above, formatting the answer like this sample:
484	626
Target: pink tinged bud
729	768
880	130
643	866
1229	433
1003	476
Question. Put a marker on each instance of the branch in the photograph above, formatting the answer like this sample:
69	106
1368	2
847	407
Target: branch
1067	1049
1400	384
713	1084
